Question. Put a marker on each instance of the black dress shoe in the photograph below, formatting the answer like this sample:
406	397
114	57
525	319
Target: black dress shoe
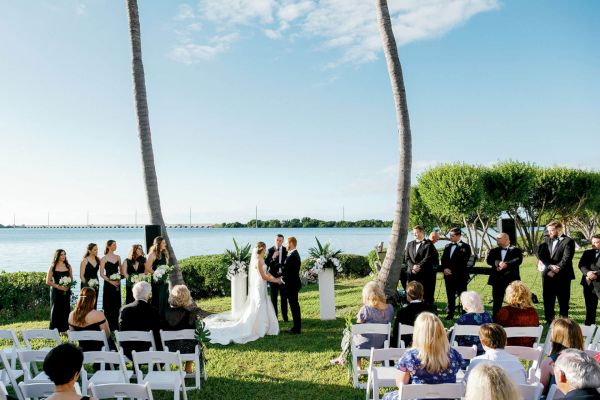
293	332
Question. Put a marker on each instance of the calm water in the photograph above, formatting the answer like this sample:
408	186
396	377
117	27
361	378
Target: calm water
32	249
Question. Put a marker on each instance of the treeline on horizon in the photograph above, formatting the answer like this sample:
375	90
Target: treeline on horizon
307	222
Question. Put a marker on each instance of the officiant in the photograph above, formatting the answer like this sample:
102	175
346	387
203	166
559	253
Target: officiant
275	259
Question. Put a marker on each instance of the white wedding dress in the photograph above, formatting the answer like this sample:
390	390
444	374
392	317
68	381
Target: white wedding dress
256	319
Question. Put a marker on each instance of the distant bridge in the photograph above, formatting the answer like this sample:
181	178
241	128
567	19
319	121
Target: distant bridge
115	226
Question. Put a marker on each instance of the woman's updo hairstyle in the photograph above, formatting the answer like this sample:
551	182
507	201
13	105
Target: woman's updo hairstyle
260	247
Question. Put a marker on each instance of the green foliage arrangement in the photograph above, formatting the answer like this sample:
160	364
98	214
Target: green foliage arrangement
22	291
237	260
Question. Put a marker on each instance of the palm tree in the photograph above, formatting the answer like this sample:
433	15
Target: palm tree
389	275
143	124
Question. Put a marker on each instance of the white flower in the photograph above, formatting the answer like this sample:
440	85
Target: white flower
115	277
335	262
65	281
93	283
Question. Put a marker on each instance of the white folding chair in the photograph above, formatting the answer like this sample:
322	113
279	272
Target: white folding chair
382	376
8	375
122	390
431	391
160	380
29	360
361	329
186	334
40	390
91	336
113	358
595	341
525	331
530	354
466	352
10	352
41	334
463	330
588	337
135	336
551	392
3	391
404	330
532	391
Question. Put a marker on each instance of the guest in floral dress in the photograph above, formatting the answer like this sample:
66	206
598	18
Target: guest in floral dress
474	315
431	360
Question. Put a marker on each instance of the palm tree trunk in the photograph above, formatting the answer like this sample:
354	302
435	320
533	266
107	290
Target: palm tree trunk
389	275
144	134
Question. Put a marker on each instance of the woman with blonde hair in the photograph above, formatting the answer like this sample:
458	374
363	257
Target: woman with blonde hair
490	382
431	360
518	312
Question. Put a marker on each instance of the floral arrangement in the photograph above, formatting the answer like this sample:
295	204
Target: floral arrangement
67	282
322	257
93	283
115	277
237	259
135	278
161	275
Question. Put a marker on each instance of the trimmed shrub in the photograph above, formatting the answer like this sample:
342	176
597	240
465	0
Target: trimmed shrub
355	265
372	258
21	291
206	276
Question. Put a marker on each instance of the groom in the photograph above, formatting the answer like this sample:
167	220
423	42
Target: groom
292	284
275	260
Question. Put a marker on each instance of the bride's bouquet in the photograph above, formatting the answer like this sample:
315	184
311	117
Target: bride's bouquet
237	259
161	275
322	257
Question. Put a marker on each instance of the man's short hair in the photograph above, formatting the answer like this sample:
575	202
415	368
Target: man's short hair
415	290
142	291
502	234
596	236
292	240
279	235
555	224
419	228
455	231
581	370
62	363
492	336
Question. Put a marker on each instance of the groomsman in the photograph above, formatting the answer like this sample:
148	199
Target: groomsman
556	254
589	264
454	264
421	260
505	261
275	260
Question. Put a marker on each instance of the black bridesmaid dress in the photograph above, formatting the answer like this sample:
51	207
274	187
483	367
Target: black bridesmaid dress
160	291
91	272
141	262
60	304
111	297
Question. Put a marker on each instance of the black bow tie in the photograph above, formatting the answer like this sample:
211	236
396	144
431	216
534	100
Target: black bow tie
454	244
418	241
505	248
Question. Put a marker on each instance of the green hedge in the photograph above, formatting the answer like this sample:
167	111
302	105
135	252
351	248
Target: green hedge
22	291
352	264
206	276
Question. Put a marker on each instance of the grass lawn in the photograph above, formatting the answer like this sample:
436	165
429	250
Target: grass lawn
297	366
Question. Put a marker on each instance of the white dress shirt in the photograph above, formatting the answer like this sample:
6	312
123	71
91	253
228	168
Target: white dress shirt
509	363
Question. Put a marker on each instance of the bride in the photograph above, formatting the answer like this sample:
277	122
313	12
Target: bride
257	318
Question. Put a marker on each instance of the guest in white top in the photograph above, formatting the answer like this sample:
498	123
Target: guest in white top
493	339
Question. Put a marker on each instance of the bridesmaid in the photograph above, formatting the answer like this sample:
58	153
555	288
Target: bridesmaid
88	269
60	296
158	255
134	264
110	264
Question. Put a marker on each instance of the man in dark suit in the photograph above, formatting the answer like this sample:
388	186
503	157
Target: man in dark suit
505	261
454	264
421	260
557	259
589	264
275	260
408	314
292	284
140	316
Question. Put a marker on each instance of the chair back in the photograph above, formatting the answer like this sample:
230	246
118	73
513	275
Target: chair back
404	329
150	358
11	336
92	336
122	390
29	360
183	334
390	354
532	391
136	336
36	389
105	357
463	330
431	391
551	392
466	352
525	331
3	391
531	354
587	331
44	334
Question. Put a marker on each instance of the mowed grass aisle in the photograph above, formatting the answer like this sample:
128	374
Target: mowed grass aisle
297	366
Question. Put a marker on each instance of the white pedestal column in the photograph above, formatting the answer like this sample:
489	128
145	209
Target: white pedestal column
239	292
326	294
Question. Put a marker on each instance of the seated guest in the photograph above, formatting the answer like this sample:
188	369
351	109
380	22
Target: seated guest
86	318
374	311
62	365
431	360
491	382
407	314
577	375
181	315
518	312
566	334
493	340
474	315
140	316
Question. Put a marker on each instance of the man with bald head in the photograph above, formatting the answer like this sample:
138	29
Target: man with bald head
505	261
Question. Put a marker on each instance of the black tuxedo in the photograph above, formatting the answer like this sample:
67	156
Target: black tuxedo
558	286
275	268
457	264
583	394
139	316
427	258
589	262
292	285
501	279
407	316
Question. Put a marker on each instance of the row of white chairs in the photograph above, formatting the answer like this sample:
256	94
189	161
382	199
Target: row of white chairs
37	390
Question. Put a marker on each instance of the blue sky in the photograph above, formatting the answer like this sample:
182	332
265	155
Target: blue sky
284	104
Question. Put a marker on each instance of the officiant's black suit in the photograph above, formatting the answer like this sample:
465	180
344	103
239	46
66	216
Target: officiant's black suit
427	258
291	277
275	268
590	262
558	286
499	280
